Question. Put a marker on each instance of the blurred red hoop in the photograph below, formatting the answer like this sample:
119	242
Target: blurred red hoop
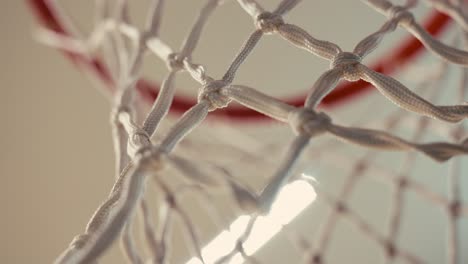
436	22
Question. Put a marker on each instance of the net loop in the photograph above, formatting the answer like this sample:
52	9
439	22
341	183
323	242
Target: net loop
401	14
174	62
347	61
211	93
307	121
269	22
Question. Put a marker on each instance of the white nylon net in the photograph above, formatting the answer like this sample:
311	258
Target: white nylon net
146	151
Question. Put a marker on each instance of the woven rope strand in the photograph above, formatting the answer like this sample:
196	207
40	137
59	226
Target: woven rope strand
215	94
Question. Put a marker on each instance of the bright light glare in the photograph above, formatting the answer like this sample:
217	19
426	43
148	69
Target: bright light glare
291	201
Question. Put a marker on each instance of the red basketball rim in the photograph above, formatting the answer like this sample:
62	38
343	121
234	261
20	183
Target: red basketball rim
46	12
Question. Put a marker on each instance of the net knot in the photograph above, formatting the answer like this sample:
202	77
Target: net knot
391	250
174	62
211	92
347	61
455	208
307	121
401	14
150	157
317	259
139	140
269	22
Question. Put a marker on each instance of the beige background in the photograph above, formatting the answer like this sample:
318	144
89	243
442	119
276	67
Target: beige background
56	158
51	119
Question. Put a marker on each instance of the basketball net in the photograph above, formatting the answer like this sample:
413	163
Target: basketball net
149	152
